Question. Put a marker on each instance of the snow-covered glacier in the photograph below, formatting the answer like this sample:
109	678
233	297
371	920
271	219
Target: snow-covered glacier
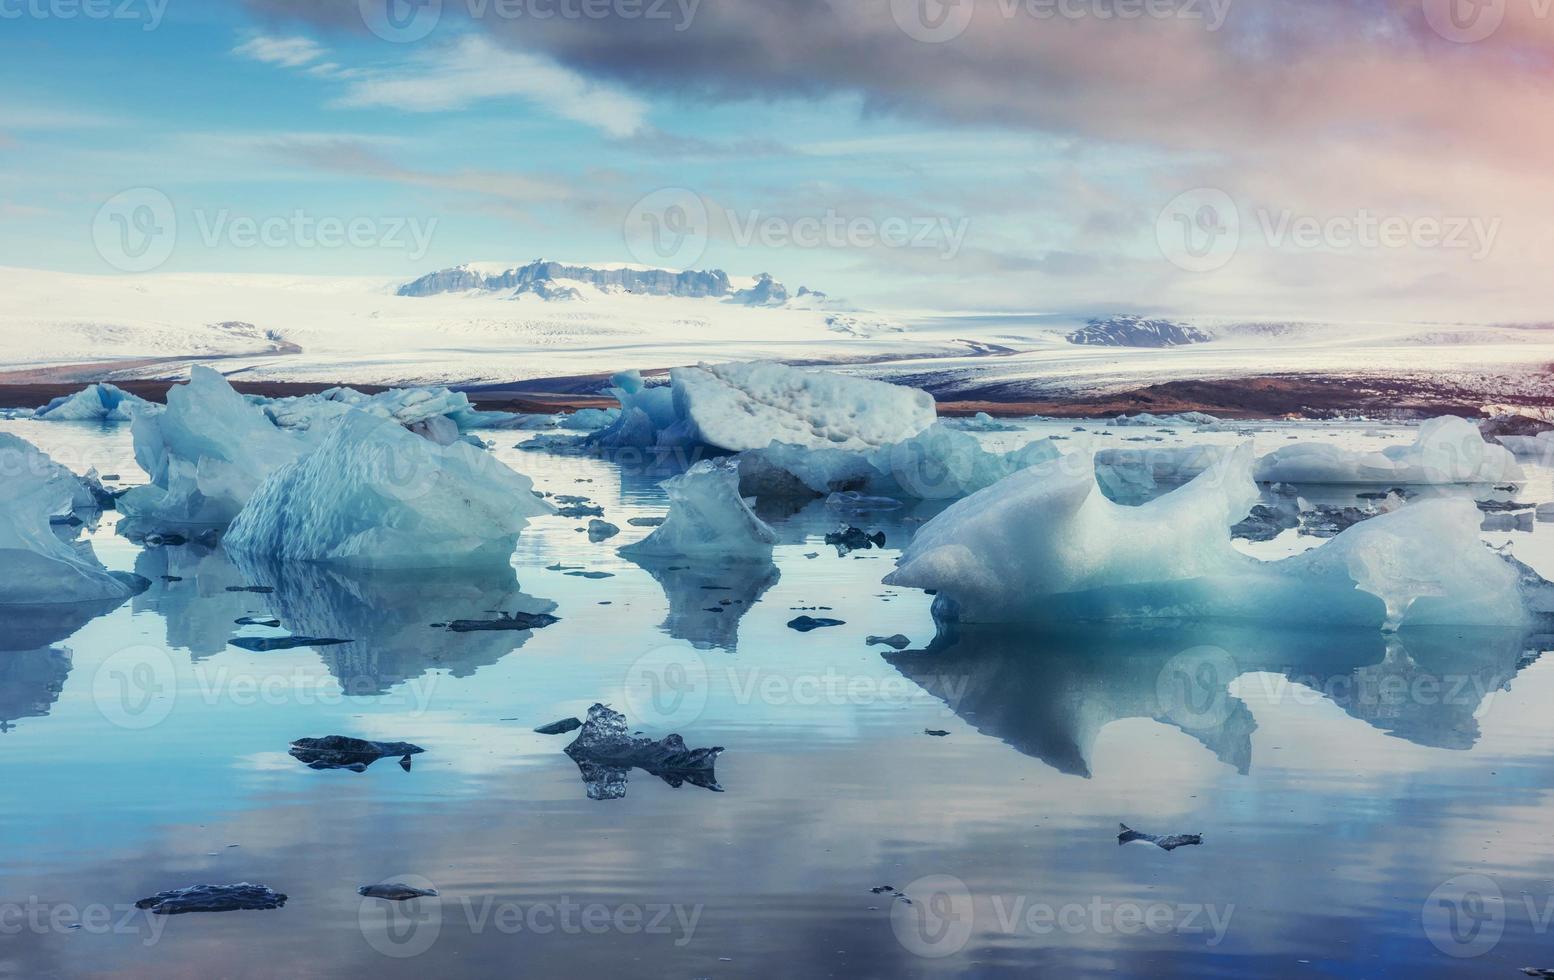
1045	545
707	518
1447	450
750	405
37	566
374	494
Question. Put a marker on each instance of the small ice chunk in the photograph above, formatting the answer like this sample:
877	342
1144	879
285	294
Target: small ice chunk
343	752
605	751
1170	842
241	897
707	517
601	530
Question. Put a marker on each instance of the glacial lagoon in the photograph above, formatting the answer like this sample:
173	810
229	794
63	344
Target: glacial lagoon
1367	800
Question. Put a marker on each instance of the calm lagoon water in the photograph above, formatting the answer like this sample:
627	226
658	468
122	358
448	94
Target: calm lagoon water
1370	805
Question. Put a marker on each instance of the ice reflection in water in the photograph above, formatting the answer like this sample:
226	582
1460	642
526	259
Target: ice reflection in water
1348	777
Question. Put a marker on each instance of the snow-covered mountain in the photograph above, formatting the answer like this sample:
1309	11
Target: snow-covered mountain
1132	330
558	281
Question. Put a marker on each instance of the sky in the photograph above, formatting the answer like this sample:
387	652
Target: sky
1337	158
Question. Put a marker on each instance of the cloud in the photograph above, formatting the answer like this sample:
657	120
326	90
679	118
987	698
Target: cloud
474	70
286	52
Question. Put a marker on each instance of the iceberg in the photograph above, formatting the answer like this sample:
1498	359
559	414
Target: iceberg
707	518
39	567
750	405
1045	546
206	454
95	403
375	495
1447	450
437	413
939	463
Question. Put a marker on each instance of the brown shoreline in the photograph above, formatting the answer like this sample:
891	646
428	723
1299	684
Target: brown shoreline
1261	397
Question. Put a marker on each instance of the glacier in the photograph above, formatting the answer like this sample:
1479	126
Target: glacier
1447	450
39	567
707	518
94	403
374	494
750	405
1045	545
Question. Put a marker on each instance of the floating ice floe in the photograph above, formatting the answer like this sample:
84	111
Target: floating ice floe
1045	545
435	413
206	454
1447	450
981	422
588	419
707	517
751	405
375	495
37	566
1195	419
95	403
938	463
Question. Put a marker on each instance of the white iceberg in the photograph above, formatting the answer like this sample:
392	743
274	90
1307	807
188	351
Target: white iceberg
1046	546
95	403
438	413
375	495
707	518
37	567
1447	450
938	463
206	454
751	405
